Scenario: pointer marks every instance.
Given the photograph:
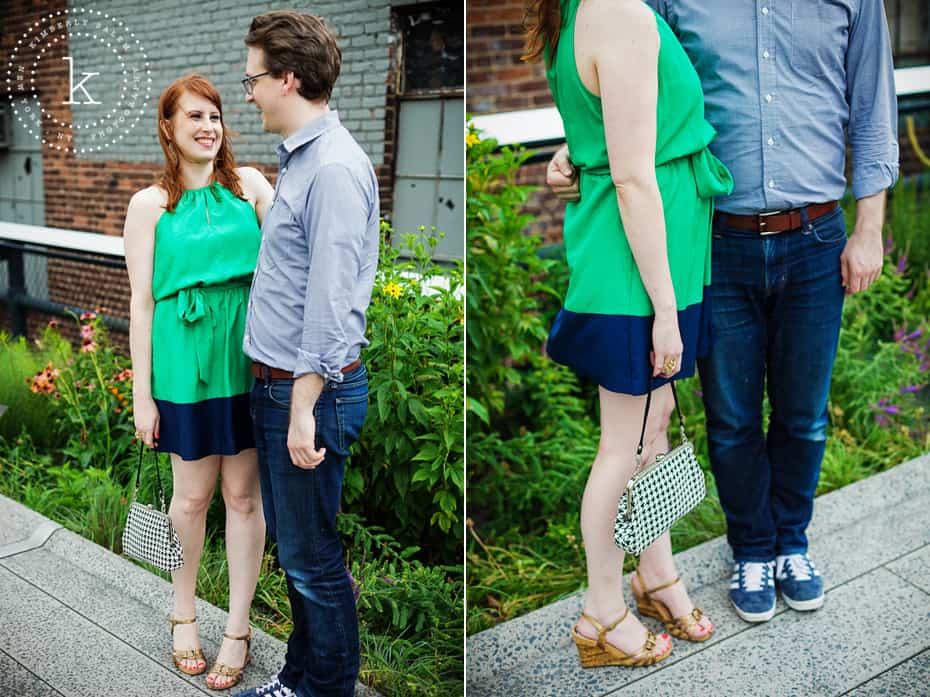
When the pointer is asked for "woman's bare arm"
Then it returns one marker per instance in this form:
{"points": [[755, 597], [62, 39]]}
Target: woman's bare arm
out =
{"points": [[145, 207], [617, 55]]}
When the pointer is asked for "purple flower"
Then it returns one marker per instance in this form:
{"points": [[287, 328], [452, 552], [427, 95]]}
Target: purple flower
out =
{"points": [[902, 264], [910, 389], [356, 586], [699, 393], [881, 420], [892, 409], [889, 244], [916, 334]]}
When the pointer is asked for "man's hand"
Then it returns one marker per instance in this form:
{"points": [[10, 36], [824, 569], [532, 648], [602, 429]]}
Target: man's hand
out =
{"points": [[862, 260], [301, 439], [301, 434], [561, 176]]}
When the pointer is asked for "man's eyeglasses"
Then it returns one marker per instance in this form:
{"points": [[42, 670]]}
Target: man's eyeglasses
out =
{"points": [[247, 82]]}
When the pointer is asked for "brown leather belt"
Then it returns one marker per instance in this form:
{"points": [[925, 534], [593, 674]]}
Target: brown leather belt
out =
{"points": [[775, 222], [260, 370]]}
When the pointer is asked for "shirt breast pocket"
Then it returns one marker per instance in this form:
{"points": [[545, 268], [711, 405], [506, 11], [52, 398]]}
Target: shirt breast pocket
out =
{"points": [[819, 33]]}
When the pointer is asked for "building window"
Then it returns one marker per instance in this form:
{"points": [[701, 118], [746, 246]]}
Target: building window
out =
{"points": [[909, 26], [429, 177]]}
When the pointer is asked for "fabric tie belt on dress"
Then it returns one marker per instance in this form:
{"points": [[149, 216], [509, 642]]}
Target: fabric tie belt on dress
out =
{"points": [[711, 177], [193, 308]]}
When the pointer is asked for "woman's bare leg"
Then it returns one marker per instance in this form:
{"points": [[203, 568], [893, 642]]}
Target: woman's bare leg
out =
{"points": [[245, 544], [194, 483], [657, 566], [621, 422]]}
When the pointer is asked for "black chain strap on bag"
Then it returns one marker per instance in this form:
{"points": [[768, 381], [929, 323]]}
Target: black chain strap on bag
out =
{"points": [[657, 496], [149, 535]]}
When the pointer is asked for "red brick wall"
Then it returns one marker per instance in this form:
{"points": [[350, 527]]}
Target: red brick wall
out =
{"points": [[496, 77]]}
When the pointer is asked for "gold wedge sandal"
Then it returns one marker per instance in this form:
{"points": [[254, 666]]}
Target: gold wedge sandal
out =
{"points": [[225, 671], [186, 654], [678, 627], [602, 653]]}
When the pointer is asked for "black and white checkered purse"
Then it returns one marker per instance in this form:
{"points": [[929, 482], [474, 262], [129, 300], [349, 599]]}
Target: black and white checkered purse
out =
{"points": [[660, 494], [149, 535]]}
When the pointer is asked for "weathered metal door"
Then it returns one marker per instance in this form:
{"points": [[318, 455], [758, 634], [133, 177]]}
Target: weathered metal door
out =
{"points": [[429, 179], [22, 194]]}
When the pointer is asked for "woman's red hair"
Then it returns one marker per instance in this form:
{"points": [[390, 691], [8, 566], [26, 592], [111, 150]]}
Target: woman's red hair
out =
{"points": [[543, 23], [224, 166]]}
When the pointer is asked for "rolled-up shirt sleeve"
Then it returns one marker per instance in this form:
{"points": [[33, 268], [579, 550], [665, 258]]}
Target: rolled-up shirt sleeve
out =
{"points": [[873, 104], [335, 222]]}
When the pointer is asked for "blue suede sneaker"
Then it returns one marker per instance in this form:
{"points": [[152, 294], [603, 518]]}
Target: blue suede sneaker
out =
{"points": [[272, 688], [752, 590], [799, 581]]}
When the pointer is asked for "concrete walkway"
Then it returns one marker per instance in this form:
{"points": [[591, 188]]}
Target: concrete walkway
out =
{"points": [[871, 542], [77, 620]]}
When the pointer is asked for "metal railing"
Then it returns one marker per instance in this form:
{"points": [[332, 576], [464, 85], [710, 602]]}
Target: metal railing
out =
{"points": [[24, 270]]}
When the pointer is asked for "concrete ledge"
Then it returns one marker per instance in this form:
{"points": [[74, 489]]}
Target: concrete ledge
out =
{"points": [[89, 622], [877, 528]]}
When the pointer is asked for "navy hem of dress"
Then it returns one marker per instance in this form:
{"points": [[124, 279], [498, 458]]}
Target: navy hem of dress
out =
{"points": [[219, 426], [613, 350]]}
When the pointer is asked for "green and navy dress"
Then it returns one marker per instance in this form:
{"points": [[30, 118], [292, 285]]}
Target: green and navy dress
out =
{"points": [[205, 255], [604, 330]]}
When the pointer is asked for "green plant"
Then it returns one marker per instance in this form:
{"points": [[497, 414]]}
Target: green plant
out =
{"points": [[411, 451], [25, 407], [90, 392]]}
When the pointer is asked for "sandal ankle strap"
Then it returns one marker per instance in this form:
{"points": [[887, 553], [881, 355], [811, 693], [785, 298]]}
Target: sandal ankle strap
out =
{"points": [[646, 592], [245, 637], [601, 629]]}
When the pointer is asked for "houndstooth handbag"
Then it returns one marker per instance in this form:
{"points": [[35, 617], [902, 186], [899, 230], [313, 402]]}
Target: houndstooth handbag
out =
{"points": [[659, 495], [149, 535]]}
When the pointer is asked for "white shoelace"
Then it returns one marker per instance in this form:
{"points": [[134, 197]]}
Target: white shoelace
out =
{"points": [[798, 566], [274, 688], [756, 575]]}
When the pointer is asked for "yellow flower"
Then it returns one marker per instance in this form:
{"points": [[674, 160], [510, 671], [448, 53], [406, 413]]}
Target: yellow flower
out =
{"points": [[472, 139], [393, 289]]}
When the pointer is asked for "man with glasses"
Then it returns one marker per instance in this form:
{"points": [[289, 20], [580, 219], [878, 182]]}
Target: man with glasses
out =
{"points": [[783, 81], [304, 333]]}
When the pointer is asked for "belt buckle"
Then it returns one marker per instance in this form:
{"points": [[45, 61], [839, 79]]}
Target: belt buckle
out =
{"points": [[762, 231]]}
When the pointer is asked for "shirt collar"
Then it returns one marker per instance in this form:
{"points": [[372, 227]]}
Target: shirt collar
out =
{"points": [[308, 132]]}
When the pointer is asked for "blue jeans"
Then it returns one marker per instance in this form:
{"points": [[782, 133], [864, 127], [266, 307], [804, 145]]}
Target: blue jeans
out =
{"points": [[300, 514], [776, 309]]}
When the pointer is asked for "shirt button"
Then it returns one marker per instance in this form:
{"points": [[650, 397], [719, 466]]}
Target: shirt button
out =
{"points": [[771, 141], [768, 98], [765, 10], [765, 54], [771, 183]]}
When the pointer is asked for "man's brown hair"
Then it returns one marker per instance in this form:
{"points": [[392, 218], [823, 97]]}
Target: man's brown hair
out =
{"points": [[301, 44]]}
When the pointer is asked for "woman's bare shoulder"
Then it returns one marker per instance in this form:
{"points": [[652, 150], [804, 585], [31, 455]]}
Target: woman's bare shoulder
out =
{"points": [[622, 19]]}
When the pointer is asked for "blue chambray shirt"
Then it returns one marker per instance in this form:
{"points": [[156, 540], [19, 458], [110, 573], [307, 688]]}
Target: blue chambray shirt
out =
{"points": [[782, 80], [318, 257]]}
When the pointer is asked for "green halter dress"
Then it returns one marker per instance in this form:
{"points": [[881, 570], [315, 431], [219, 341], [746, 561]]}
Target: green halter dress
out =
{"points": [[205, 254], [604, 330]]}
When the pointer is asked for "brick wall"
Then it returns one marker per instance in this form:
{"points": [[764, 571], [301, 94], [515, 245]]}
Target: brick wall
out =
{"points": [[496, 77]]}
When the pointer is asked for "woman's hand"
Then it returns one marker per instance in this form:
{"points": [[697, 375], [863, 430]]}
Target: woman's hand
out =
{"points": [[146, 417], [666, 345]]}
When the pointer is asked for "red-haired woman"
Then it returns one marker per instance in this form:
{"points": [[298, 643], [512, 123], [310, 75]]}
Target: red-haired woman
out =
{"points": [[192, 241], [638, 247]]}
